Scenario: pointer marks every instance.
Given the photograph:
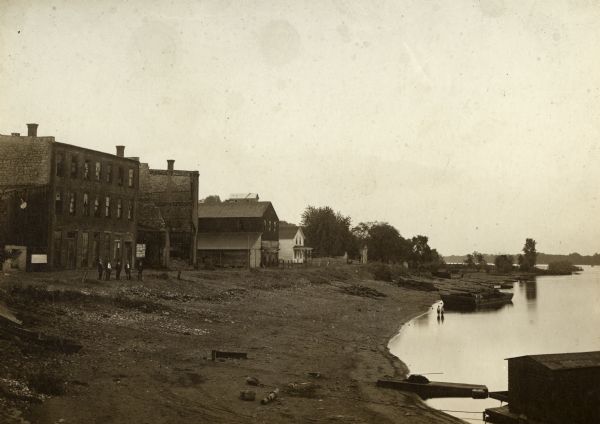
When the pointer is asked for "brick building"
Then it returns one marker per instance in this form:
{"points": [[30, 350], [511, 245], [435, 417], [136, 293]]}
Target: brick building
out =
{"points": [[67, 205], [238, 232], [168, 224]]}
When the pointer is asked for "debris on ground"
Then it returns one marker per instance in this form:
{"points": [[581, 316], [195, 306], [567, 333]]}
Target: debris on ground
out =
{"points": [[270, 397], [304, 389], [363, 291], [252, 381], [216, 354], [248, 395]]}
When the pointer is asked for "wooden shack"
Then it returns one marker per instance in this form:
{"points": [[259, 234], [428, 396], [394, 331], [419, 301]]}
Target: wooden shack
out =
{"points": [[555, 388]]}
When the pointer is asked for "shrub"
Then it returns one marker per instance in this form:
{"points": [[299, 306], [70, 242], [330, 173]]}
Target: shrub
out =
{"points": [[381, 272]]}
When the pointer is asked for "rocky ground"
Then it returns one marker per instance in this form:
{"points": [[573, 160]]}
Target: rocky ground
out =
{"points": [[318, 335]]}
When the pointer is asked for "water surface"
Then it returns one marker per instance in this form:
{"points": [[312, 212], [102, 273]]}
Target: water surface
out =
{"points": [[549, 315]]}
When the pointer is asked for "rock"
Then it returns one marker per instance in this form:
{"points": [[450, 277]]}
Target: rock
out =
{"points": [[252, 381], [248, 395]]}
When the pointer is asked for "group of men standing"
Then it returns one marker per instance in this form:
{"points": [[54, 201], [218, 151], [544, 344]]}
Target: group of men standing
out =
{"points": [[105, 268]]}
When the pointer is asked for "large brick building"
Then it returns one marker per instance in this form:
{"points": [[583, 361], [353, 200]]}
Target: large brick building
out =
{"points": [[67, 205], [168, 224]]}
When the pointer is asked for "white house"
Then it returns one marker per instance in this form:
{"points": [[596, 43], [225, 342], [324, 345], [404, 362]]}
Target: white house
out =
{"points": [[291, 244]]}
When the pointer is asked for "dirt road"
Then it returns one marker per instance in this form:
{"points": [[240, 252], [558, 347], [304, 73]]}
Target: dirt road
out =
{"points": [[318, 335]]}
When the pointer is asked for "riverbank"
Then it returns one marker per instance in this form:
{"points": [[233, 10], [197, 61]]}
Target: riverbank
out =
{"points": [[146, 348]]}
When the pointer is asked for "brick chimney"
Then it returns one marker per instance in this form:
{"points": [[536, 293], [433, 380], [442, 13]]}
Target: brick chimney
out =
{"points": [[32, 130], [170, 164], [121, 151]]}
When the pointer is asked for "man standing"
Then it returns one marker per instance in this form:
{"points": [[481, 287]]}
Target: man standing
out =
{"points": [[128, 270], [108, 270], [100, 269], [118, 268], [140, 269]]}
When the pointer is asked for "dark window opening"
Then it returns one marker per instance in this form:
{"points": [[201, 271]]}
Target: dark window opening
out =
{"points": [[59, 164], [121, 176], [86, 205], [72, 203], [58, 203], [74, 166], [86, 170], [109, 173]]}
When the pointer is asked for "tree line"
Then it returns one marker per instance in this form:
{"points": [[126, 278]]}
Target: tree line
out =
{"points": [[331, 234]]}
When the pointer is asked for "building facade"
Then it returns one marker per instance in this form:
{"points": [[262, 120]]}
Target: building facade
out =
{"points": [[67, 205], [174, 193], [292, 248], [249, 233], [555, 388]]}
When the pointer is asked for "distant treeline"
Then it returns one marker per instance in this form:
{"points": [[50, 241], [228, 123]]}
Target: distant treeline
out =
{"points": [[542, 258]]}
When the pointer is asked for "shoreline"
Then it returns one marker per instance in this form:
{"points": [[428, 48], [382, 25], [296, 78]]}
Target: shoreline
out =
{"points": [[146, 346]]}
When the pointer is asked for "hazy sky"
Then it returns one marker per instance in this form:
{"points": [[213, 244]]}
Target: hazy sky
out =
{"points": [[473, 122]]}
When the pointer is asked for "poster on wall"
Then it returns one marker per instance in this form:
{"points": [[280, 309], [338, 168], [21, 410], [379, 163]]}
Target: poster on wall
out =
{"points": [[140, 250], [39, 259]]}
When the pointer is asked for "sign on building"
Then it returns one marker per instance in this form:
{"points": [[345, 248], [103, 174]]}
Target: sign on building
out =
{"points": [[39, 259], [140, 250]]}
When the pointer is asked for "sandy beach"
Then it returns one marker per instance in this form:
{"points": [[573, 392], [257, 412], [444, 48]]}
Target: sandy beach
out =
{"points": [[318, 335]]}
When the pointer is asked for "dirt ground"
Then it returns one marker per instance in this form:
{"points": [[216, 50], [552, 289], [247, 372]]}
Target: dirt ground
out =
{"points": [[319, 335]]}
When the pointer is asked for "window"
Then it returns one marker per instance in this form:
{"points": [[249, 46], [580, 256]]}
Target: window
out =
{"points": [[109, 173], [86, 170], [74, 166], [130, 179], [86, 205], [97, 207], [107, 206], [98, 171], [117, 249], [59, 164], [107, 245], [119, 208], [58, 203], [120, 176], [130, 211], [72, 203]]}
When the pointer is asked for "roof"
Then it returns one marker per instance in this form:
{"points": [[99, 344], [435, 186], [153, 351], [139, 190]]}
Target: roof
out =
{"points": [[566, 361], [233, 209], [227, 241], [287, 231], [240, 196]]}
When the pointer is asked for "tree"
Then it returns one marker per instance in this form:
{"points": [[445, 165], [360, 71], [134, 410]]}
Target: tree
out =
{"points": [[383, 241], [469, 261], [213, 198], [504, 263], [327, 232], [480, 261], [528, 259]]}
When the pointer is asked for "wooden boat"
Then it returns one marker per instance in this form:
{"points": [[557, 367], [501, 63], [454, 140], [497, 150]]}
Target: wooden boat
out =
{"points": [[436, 389], [468, 301]]}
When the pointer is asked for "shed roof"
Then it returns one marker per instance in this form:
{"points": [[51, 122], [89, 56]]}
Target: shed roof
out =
{"points": [[233, 209], [227, 241], [566, 361]]}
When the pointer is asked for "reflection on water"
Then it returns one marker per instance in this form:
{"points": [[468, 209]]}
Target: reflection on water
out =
{"points": [[552, 314]]}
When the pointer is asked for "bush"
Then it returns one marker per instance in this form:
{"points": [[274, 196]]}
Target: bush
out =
{"points": [[381, 272], [46, 383]]}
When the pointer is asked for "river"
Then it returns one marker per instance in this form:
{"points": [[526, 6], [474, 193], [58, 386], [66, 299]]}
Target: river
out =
{"points": [[552, 314]]}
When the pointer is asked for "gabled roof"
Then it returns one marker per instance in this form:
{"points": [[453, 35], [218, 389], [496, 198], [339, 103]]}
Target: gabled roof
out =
{"points": [[227, 241], [566, 361], [233, 209], [287, 231]]}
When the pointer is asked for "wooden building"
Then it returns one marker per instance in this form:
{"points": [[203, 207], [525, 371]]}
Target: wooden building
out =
{"points": [[239, 232], [66, 205], [555, 388], [292, 248]]}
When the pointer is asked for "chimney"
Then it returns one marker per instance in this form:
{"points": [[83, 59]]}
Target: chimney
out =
{"points": [[32, 130], [170, 164], [121, 151], [15, 134]]}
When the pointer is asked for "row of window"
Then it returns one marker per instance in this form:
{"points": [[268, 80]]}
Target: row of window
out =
{"points": [[94, 170], [270, 225], [98, 206]]}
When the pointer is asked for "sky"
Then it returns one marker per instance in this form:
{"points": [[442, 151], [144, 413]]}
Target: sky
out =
{"points": [[474, 122]]}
